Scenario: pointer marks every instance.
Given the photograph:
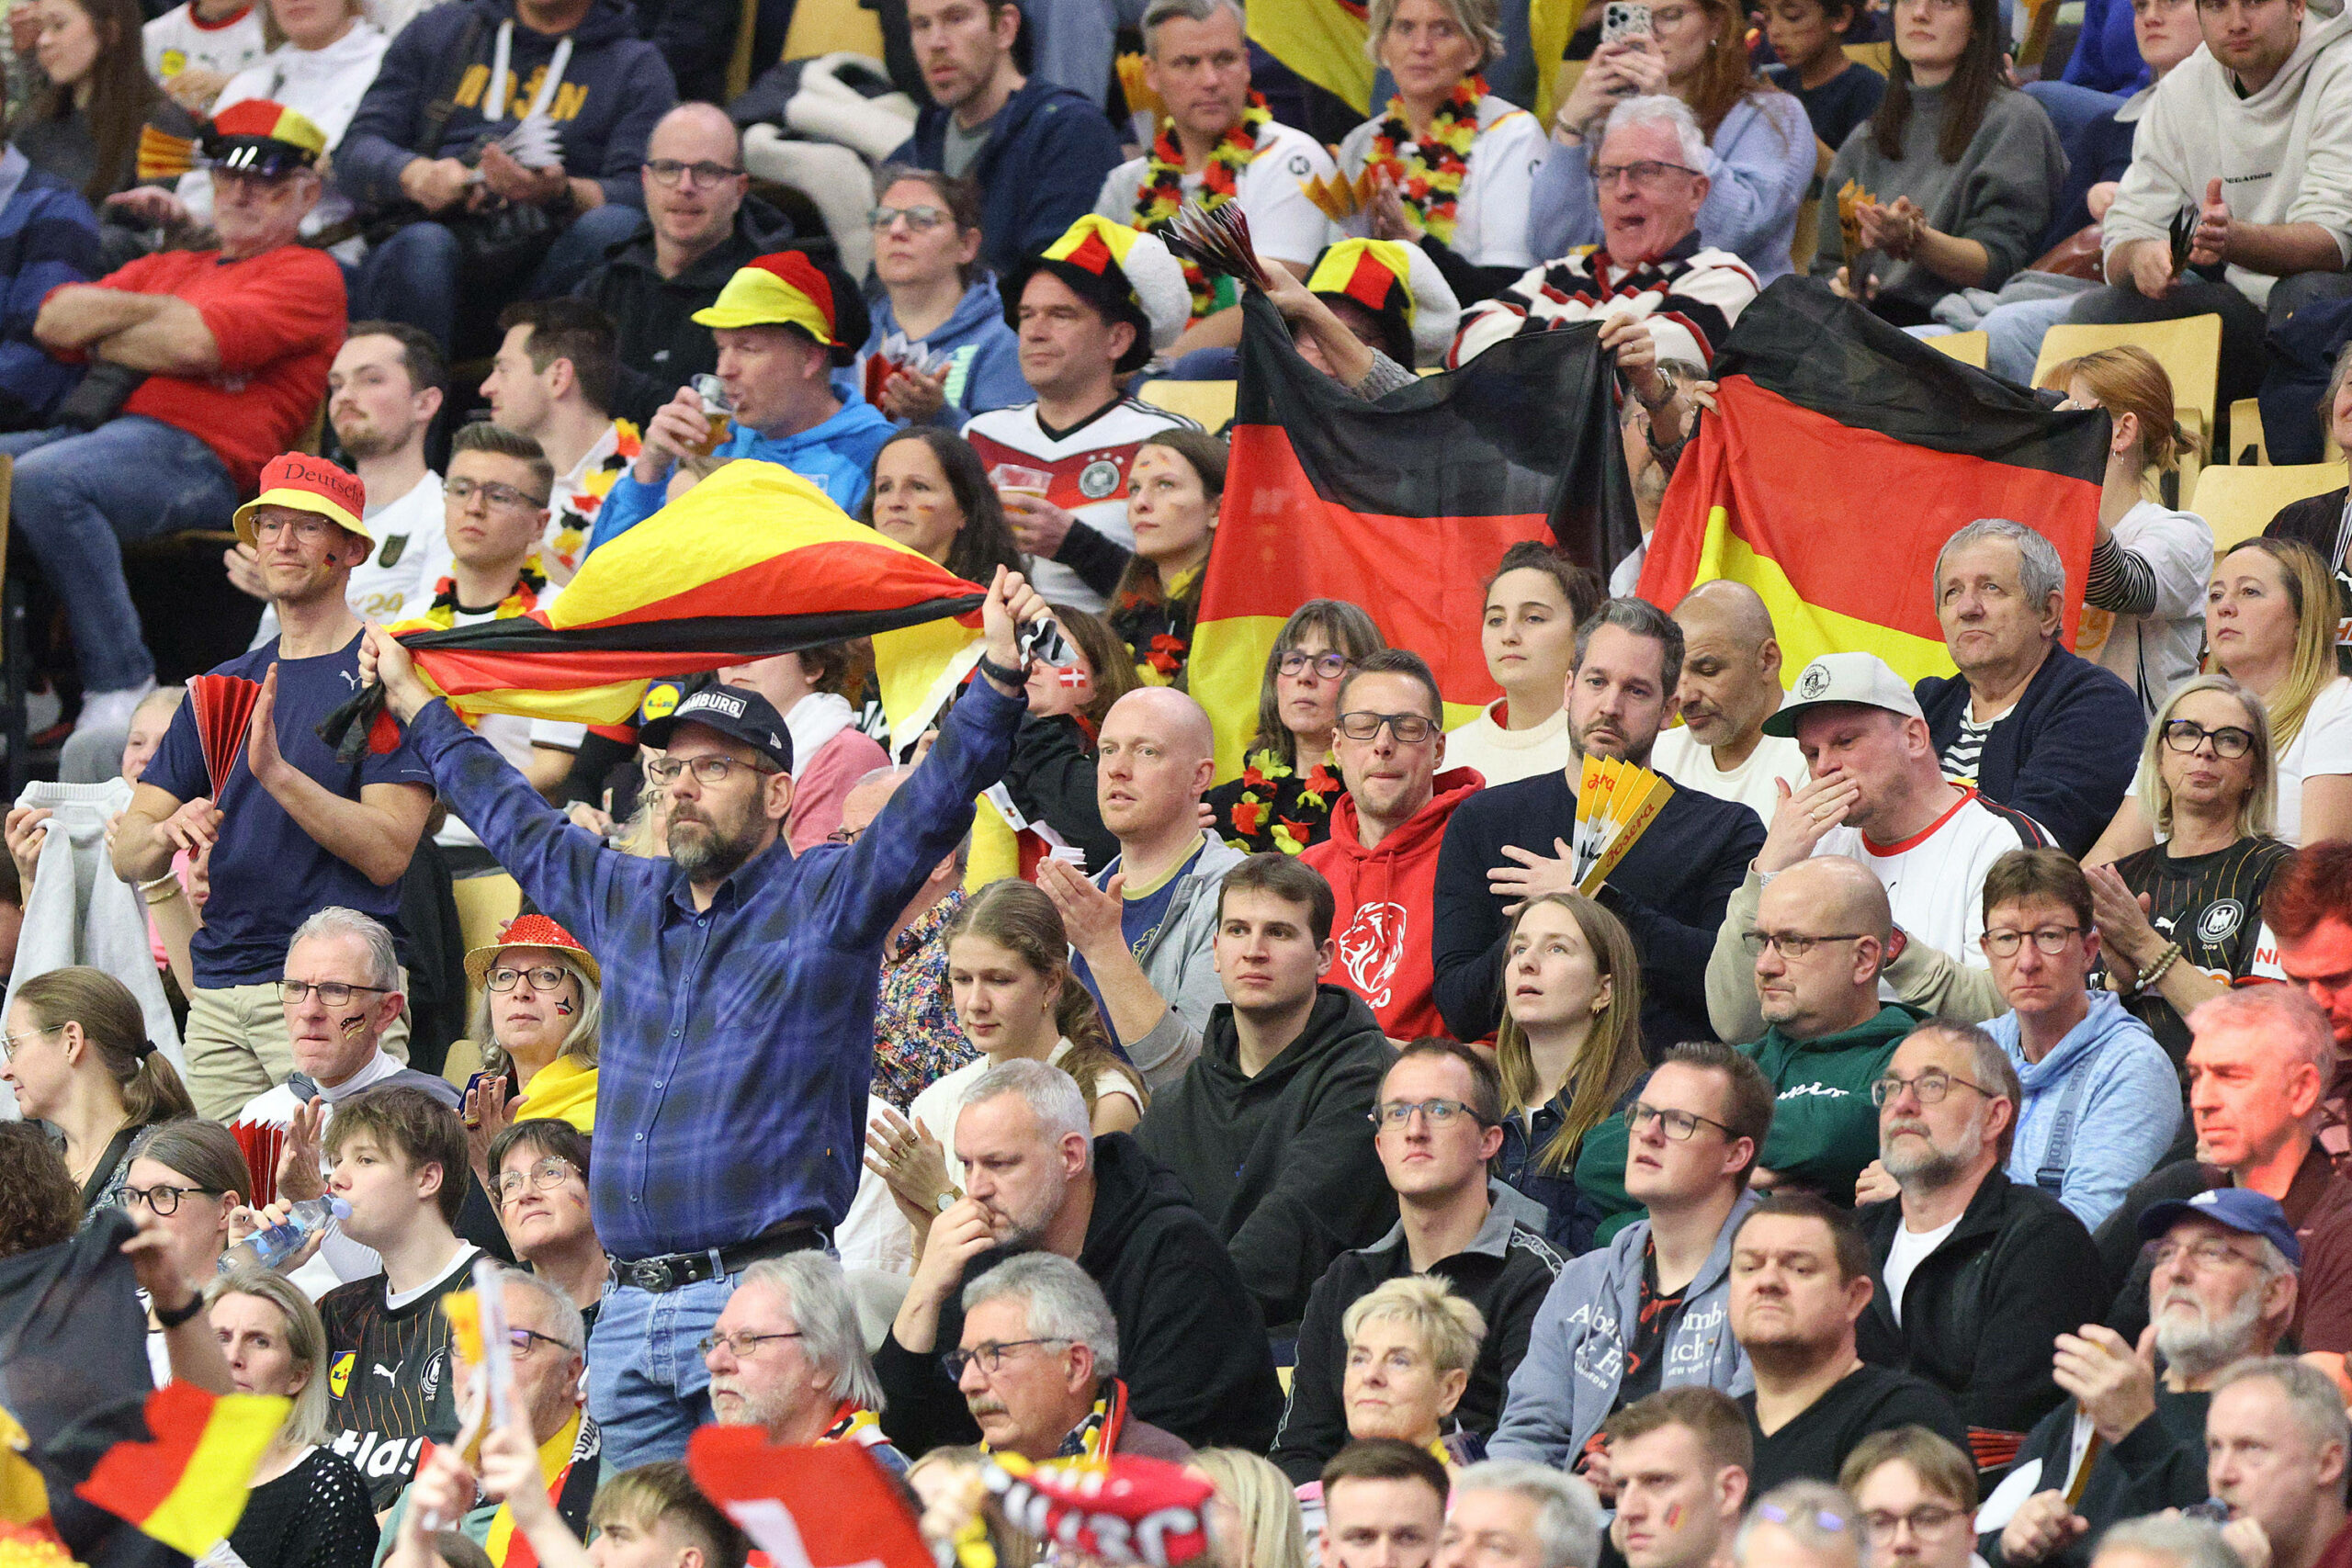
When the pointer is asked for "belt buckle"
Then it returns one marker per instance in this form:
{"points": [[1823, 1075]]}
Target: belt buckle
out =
{"points": [[656, 1275]]}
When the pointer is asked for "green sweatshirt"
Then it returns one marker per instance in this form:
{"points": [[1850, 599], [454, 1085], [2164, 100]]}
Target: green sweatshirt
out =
{"points": [[1825, 1129]]}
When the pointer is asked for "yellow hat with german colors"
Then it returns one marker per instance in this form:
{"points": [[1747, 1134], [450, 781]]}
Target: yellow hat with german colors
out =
{"points": [[787, 288], [1398, 284], [1127, 275], [310, 484]]}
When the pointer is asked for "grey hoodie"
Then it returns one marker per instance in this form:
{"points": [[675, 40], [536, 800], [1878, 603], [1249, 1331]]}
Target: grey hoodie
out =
{"points": [[1567, 1383], [1177, 962]]}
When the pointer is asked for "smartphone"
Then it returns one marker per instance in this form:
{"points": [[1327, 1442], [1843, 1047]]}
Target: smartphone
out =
{"points": [[1623, 19]]}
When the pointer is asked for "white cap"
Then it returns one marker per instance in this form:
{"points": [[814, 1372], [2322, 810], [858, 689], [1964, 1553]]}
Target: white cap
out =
{"points": [[1856, 678]]}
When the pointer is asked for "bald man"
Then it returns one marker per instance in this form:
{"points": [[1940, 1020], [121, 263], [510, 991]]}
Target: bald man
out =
{"points": [[1730, 686], [1820, 936], [1144, 928]]}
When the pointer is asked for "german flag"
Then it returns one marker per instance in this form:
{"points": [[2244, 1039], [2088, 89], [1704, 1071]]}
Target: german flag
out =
{"points": [[1844, 455], [186, 1486], [753, 562], [1323, 40], [1401, 507]]}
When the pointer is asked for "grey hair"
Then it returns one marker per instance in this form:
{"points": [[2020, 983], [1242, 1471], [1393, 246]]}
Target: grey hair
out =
{"points": [[896, 775], [2313, 1398], [1660, 108], [816, 1292], [2288, 1019], [1989, 1064], [383, 959], [2186, 1542], [1824, 1520], [1161, 11], [306, 1342], [570, 1326], [1051, 1095], [1482, 20], [2258, 810], [1064, 1302], [1567, 1513], [1643, 619], [2040, 571]]}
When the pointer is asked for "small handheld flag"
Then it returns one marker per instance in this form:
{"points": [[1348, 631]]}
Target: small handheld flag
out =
{"points": [[224, 710], [825, 1505], [1616, 803]]}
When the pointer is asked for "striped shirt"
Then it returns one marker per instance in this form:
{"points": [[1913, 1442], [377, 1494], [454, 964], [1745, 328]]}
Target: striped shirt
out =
{"points": [[1690, 298], [1961, 759]]}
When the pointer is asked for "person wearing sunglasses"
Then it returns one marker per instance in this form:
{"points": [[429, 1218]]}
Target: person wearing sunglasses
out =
{"points": [[542, 997], [936, 298], [1283, 797]]}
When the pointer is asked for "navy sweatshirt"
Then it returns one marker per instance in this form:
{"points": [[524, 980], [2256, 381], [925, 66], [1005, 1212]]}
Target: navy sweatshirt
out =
{"points": [[1046, 159], [2064, 755]]}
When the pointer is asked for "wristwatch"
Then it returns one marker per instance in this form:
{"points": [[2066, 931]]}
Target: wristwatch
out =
{"points": [[946, 1199]]}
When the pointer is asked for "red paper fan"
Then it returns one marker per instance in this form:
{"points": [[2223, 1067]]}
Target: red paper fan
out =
{"points": [[224, 709], [261, 1144]]}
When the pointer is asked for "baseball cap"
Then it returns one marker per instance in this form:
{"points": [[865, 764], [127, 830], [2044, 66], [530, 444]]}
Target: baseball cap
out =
{"points": [[1852, 678], [787, 288], [2240, 1209], [736, 712], [308, 484]]}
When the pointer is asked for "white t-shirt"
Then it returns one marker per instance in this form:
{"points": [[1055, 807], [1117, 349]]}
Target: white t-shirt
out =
{"points": [[874, 1234], [1935, 879], [1777, 758], [1909, 1250], [2155, 652], [1506, 756], [1089, 469], [1498, 189], [1283, 223], [2322, 747], [179, 40], [936, 1107], [411, 551]]}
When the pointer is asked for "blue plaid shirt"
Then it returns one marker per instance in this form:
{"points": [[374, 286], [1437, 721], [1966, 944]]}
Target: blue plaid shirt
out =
{"points": [[738, 1041]]}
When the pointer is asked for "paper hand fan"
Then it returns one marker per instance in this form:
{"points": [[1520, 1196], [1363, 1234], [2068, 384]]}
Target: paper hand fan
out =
{"points": [[261, 1143], [1339, 197], [224, 709], [2184, 237], [1219, 241], [1849, 226], [1616, 803], [534, 142]]}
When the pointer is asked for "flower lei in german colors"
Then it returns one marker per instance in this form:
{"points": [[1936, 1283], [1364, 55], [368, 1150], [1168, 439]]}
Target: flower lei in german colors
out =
{"points": [[443, 611], [1162, 192], [1429, 172], [1262, 776]]}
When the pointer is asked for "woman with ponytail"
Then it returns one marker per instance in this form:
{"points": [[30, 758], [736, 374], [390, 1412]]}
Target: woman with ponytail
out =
{"points": [[78, 1058], [1008, 973]]}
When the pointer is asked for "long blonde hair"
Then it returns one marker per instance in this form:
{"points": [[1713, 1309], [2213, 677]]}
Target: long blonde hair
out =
{"points": [[2310, 589], [1020, 919], [1611, 1059], [306, 1341], [1272, 1533]]}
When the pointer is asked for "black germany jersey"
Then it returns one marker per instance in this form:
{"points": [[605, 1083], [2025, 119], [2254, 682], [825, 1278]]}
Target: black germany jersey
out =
{"points": [[2211, 905], [388, 1376]]}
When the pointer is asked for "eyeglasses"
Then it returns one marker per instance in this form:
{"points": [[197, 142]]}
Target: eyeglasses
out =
{"points": [[1677, 1126], [308, 529], [8, 1041], [705, 175], [742, 1344], [332, 993], [2181, 735], [707, 770], [547, 1174], [165, 1202], [2051, 940], [491, 491], [1790, 945], [2207, 1254], [1647, 175], [1436, 1113], [990, 1356], [1927, 1518], [1930, 1087], [846, 835], [1329, 665], [521, 1339], [1410, 728], [921, 219], [547, 977]]}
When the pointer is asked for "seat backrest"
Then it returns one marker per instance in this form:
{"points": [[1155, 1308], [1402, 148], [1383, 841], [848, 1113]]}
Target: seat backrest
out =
{"points": [[1209, 404], [2188, 349], [1879, 57], [2238, 501], [824, 27], [1966, 347]]}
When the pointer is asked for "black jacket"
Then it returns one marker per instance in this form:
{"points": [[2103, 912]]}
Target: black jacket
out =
{"points": [[1671, 890], [660, 346], [2159, 1464], [2064, 755], [1193, 1350], [1980, 1313], [1283, 1164], [1505, 1272], [1051, 778]]}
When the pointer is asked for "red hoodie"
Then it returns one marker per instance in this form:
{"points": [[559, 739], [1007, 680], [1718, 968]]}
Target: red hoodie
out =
{"points": [[1384, 896]]}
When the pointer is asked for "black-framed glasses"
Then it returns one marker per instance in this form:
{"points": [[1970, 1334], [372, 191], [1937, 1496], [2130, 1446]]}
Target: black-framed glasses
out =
{"points": [[1678, 1125], [1790, 945], [164, 1202], [923, 219], [1647, 174], [2051, 940], [2186, 736], [990, 1355], [742, 1344], [1410, 728], [1930, 1087], [543, 978], [332, 993], [704, 174], [708, 770], [546, 1175], [520, 1340], [1330, 665], [846, 836], [462, 490], [1436, 1113]]}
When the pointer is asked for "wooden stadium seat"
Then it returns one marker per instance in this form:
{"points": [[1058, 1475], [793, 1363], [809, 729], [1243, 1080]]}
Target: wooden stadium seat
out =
{"points": [[824, 27], [2240, 499], [1879, 57], [2190, 350], [1966, 347], [484, 905], [1209, 404]]}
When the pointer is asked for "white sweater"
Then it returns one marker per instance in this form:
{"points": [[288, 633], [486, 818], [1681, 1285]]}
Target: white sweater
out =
{"points": [[2283, 155], [326, 85]]}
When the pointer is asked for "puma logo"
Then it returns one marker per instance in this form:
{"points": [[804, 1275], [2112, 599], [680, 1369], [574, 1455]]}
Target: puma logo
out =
{"points": [[386, 1373]]}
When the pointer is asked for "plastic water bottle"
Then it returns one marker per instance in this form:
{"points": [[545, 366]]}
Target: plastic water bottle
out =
{"points": [[271, 1248]]}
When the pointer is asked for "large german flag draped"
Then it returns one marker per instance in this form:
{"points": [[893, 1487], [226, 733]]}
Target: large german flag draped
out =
{"points": [[753, 562], [1845, 453], [1401, 507]]}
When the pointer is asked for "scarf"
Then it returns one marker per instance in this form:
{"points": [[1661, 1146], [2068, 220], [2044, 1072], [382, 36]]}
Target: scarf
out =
{"points": [[1162, 196], [576, 500], [1429, 172], [569, 1463], [815, 719], [522, 600], [1097, 1437], [853, 1423], [565, 1089]]}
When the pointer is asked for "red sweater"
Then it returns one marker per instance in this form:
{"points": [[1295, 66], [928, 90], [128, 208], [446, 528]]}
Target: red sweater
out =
{"points": [[1384, 896]]}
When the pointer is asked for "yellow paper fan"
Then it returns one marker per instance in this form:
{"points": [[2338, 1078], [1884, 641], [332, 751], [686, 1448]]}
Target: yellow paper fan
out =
{"points": [[1140, 98], [1616, 803], [163, 157], [1340, 197]]}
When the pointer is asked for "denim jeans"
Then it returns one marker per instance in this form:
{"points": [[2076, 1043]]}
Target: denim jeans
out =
{"points": [[647, 1386], [413, 276], [77, 497]]}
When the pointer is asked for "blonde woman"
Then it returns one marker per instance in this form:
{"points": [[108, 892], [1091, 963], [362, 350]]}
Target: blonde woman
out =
{"points": [[542, 998], [1253, 1520], [1569, 1052]]}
